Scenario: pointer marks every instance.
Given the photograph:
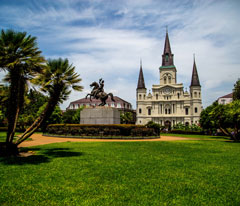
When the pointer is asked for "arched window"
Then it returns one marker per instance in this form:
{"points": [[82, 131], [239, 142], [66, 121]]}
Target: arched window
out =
{"points": [[165, 111], [199, 94], [169, 80], [140, 96], [178, 95], [186, 111], [149, 111], [169, 111], [156, 96], [195, 94], [196, 110], [140, 110], [144, 96], [165, 80]]}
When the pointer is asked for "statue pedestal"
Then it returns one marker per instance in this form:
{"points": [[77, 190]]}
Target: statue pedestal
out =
{"points": [[100, 115]]}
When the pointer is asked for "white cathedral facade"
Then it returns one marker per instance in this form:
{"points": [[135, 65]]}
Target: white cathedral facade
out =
{"points": [[169, 104]]}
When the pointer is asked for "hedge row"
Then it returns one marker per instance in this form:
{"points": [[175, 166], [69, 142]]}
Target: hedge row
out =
{"points": [[180, 131], [100, 130]]}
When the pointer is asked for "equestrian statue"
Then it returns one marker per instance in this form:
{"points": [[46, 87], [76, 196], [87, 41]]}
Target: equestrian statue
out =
{"points": [[98, 92]]}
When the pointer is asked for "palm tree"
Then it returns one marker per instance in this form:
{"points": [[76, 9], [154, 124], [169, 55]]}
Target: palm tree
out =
{"points": [[21, 58], [55, 80]]}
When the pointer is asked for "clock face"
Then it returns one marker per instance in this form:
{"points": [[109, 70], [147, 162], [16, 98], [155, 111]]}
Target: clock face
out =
{"points": [[167, 90]]}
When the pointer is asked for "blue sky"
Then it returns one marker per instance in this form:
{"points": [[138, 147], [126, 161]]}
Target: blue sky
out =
{"points": [[106, 39]]}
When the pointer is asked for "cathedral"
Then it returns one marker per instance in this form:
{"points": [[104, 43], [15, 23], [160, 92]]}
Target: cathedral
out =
{"points": [[169, 104]]}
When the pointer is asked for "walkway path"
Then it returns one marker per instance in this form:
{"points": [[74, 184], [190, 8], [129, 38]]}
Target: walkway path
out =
{"points": [[39, 139]]}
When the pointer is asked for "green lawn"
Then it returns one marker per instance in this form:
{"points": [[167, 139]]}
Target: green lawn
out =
{"points": [[204, 137], [3, 136], [124, 173]]}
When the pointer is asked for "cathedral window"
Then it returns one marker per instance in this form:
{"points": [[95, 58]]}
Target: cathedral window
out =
{"points": [[140, 96], [140, 110], [178, 95], [196, 110], [169, 111], [195, 94], [165, 80], [149, 111], [165, 111], [169, 80], [156, 96], [199, 94], [186, 111]]}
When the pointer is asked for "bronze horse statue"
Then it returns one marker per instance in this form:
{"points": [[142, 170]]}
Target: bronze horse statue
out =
{"points": [[98, 92]]}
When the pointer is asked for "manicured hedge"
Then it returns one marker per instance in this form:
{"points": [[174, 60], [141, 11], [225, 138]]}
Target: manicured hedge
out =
{"points": [[179, 131], [100, 130]]}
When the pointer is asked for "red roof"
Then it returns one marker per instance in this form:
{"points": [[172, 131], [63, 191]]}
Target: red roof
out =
{"points": [[227, 96]]}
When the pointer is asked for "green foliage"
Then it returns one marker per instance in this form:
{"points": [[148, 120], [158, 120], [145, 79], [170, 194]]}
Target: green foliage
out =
{"points": [[236, 90], [72, 116], [154, 126], [4, 93], [126, 118], [57, 80], [55, 118], [180, 128], [124, 173], [33, 103], [223, 117], [21, 58], [100, 130], [207, 123]]}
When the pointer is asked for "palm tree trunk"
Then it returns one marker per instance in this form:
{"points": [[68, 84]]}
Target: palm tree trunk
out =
{"points": [[13, 106], [53, 101]]}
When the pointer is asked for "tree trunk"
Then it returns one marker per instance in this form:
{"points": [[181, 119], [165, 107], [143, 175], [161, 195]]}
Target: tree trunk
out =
{"points": [[13, 105], [53, 101], [8, 149]]}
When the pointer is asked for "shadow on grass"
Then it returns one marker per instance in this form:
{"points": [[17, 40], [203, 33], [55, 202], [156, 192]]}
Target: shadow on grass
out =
{"points": [[45, 156]]}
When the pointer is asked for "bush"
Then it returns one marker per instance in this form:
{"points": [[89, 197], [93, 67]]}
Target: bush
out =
{"points": [[156, 127], [101, 130], [180, 131]]}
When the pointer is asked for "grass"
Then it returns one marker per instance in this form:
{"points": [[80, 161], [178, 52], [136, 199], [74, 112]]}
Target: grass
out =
{"points": [[124, 173], [3, 136], [204, 137]]}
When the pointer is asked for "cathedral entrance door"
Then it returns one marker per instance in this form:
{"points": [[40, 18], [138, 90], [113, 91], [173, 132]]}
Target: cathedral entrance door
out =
{"points": [[167, 125]]}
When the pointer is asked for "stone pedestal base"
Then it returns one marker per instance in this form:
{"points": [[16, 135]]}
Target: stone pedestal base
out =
{"points": [[100, 115]]}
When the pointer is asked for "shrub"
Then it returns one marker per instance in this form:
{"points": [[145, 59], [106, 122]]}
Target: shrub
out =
{"points": [[156, 127], [102, 130]]}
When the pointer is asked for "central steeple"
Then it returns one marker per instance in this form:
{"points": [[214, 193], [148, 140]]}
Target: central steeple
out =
{"points": [[167, 57]]}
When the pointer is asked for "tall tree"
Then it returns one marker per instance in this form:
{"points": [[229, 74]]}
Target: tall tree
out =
{"points": [[55, 80], [21, 58], [236, 90]]}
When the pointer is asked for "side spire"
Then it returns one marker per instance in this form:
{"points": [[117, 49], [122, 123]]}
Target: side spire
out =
{"points": [[195, 80], [141, 83], [167, 57]]}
